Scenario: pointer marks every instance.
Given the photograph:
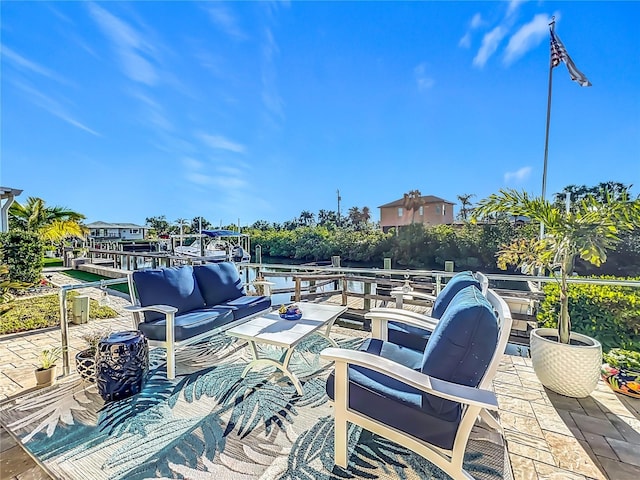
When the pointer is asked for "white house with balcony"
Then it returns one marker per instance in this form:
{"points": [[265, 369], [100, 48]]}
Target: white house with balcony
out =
{"points": [[103, 231]]}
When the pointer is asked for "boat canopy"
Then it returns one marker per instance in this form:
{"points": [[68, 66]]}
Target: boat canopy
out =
{"points": [[222, 233]]}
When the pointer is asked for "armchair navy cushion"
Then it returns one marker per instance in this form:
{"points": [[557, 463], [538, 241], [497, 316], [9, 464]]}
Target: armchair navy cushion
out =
{"points": [[219, 282], [457, 283], [461, 346], [174, 286], [416, 337]]}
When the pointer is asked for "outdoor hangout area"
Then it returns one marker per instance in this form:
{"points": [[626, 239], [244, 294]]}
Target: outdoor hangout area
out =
{"points": [[200, 376]]}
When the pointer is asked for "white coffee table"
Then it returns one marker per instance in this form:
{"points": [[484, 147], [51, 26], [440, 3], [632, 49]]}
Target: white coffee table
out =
{"points": [[272, 330]]}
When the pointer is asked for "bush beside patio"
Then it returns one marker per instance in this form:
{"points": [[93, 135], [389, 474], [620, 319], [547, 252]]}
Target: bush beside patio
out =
{"points": [[24, 314], [608, 313]]}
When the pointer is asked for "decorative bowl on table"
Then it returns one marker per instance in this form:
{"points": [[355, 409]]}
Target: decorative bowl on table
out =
{"points": [[290, 312]]}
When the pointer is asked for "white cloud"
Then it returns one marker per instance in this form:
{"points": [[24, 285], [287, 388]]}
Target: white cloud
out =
{"points": [[192, 163], [424, 81], [490, 43], [219, 142], [270, 95], [24, 64], [527, 37], [513, 6], [465, 41], [517, 176], [154, 112], [53, 107], [476, 21], [224, 19], [129, 44], [232, 180]]}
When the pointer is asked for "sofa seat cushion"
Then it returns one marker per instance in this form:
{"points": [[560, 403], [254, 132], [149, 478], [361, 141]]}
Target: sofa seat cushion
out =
{"points": [[415, 338], [175, 286], [461, 345], [218, 282], [245, 306], [395, 403], [458, 282], [187, 325]]}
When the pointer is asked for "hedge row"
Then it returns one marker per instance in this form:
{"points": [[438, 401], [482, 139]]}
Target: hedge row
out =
{"points": [[610, 314]]}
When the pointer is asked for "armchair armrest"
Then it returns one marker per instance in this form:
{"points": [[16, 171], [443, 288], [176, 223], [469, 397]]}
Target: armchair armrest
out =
{"points": [[265, 285], [441, 388], [380, 316], [400, 294]]}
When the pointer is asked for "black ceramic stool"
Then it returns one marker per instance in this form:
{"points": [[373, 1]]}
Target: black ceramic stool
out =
{"points": [[122, 363]]}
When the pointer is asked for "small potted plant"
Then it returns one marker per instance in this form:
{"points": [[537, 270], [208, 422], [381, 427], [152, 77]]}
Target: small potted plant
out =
{"points": [[86, 359], [621, 371], [46, 371]]}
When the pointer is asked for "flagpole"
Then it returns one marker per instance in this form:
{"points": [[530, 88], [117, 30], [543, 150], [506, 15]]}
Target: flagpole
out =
{"points": [[546, 135]]}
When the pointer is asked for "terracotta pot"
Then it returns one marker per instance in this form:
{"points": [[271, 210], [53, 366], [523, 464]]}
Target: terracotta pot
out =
{"points": [[45, 377]]}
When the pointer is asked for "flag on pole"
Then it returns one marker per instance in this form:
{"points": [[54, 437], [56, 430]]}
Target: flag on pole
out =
{"points": [[559, 53]]}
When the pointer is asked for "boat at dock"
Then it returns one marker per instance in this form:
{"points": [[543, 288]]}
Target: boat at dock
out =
{"points": [[213, 246]]}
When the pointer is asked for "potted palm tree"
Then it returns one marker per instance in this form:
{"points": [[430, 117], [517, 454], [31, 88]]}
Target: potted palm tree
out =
{"points": [[564, 361]]}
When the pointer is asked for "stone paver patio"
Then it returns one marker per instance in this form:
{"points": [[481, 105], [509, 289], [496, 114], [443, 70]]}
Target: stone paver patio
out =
{"points": [[548, 436]]}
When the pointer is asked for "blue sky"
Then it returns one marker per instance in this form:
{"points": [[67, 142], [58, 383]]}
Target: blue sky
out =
{"points": [[126, 110]]}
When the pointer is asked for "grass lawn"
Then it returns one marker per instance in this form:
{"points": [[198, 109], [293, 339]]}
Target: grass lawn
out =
{"points": [[92, 277], [52, 262], [24, 314]]}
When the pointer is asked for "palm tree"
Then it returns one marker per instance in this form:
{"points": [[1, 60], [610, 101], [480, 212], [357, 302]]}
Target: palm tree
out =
{"points": [[52, 224], [354, 217], [327, 218], [587, 230], [366, 215], [412, 201], [465, 205], [307, 218], [35, 215]]}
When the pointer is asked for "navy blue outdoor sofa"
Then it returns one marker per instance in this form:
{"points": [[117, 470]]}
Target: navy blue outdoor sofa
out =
{"points": [[181, 305]]}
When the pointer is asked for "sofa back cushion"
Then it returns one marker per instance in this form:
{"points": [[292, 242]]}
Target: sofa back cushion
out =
{"points": [[461, 346], [219, 282], [175, 286], [457, 283]]}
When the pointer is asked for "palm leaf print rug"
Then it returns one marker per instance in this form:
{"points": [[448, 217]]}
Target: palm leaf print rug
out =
{"points": [[209, 423]]}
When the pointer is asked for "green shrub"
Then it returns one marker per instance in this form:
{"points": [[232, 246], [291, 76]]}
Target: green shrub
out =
{"points": [[610, 314], [623, 359], [22, 252]]}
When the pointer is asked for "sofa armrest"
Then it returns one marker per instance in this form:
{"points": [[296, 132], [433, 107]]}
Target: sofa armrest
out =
{"points": [[164, 309]]}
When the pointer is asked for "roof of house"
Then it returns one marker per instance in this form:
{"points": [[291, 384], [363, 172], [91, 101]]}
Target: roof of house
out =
{"points": [[100, 224], [6, 192], [424, 199]]}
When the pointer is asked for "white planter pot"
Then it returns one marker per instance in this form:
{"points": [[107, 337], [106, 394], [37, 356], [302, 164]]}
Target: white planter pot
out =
{"points": [[570, 370]]}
